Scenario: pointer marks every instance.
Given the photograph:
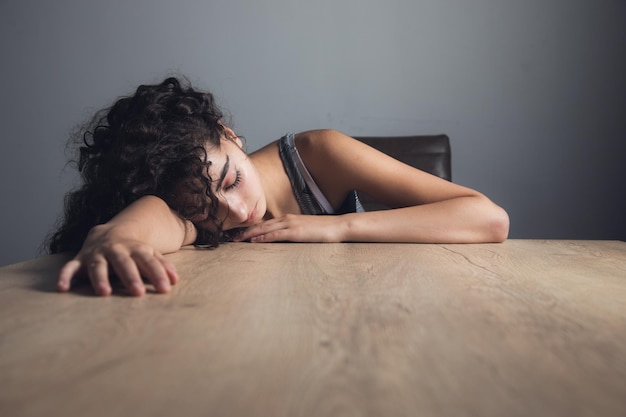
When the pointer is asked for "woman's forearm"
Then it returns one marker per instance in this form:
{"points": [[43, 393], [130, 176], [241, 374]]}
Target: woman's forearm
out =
{"points": [[150, 220], [471, 219]]}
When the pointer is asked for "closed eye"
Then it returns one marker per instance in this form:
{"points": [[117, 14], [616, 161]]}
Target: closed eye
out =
{"points": [[236, 182]]}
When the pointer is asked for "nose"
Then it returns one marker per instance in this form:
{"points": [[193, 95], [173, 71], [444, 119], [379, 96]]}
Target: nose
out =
{"points": [[234, 211]]}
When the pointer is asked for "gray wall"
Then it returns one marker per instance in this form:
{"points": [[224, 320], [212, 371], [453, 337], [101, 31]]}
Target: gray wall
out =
{"points": [[532, 93]]}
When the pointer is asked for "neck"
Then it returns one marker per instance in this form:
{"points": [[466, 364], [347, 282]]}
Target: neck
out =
{"points": [[279, 195]]}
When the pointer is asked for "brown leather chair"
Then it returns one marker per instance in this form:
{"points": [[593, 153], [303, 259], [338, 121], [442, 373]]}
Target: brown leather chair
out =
{"points": [[430, 153]]}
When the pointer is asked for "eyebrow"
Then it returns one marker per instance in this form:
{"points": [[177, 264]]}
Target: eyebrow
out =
{"points": [[223, 173]]}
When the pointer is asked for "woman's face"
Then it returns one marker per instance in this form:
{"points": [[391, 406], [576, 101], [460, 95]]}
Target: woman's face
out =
{"points": [[236, 184]]}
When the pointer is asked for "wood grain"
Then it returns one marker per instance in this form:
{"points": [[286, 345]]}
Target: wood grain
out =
{"points": [[515, 329]]}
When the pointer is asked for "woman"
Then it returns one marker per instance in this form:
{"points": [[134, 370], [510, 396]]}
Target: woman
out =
{"points": [[160, 171]]}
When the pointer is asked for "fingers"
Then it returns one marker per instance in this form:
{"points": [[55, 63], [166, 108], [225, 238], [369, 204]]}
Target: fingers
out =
{"points": [[98, 272], [275, 230], [170, 268], [127, 271], [296, 228], [146, 263], [129, 266], [153, 269], [255, 233], [67, 272]]}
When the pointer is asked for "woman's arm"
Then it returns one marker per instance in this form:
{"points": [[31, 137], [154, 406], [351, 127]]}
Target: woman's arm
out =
{"points": [[131, 245], [429, 209]]}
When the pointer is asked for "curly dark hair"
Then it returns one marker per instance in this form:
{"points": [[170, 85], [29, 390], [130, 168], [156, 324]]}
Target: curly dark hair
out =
{"points": [[150, 143]]}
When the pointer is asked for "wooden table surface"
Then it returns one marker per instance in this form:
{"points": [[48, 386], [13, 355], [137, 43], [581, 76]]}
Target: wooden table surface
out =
{"points": [[523, 328]]}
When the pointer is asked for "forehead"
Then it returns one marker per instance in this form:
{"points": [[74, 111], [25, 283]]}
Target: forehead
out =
{"points": [[220, 156], [216, 153]]}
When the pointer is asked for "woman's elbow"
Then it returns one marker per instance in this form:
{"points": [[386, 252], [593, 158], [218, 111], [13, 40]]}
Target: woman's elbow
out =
{"points": [[497, 225]]}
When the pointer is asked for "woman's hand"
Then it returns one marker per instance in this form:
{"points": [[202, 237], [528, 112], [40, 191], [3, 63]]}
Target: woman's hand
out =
{"points": [[296, 228], [104, 252]]}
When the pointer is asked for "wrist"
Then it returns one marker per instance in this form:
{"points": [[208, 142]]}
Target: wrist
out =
{"points": [[346, 228]]}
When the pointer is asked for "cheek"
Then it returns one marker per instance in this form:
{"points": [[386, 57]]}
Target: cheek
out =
{"points": [[254, 183], [253, 191]]}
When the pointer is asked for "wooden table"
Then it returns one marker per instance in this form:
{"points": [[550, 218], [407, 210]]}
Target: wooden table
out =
{"points": [[523, 328]]}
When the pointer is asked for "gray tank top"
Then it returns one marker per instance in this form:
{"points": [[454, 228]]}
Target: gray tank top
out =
{"points": [[310, 198]]}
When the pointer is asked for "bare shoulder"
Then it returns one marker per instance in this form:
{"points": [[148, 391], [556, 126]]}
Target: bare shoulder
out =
{"points": [[330, 156], [316, 147], [335, 153], [340, 163], [324, 142]]}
